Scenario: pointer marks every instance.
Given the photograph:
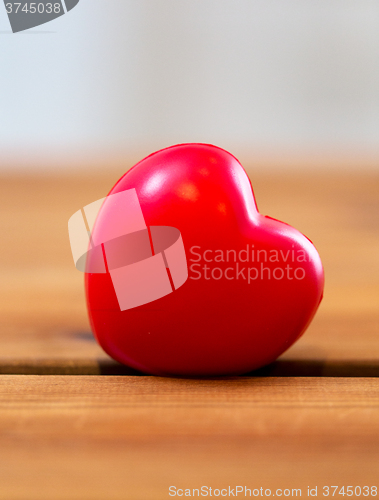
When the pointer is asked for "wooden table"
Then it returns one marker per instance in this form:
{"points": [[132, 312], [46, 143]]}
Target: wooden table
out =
{"points": [[76, 425]]}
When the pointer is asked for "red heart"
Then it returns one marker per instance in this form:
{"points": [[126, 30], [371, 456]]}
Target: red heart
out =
{"points": [[261, 286]]}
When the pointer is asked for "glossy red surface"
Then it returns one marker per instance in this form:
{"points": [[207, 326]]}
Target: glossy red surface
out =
{"points": [[213, 324]]}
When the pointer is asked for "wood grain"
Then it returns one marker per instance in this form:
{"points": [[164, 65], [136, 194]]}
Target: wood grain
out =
{"points": [[310, 419], [133, 437]]}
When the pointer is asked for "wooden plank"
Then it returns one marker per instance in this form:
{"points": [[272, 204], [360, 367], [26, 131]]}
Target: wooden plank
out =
{"points": [[334, 347], [133, 437], [43, 322]]}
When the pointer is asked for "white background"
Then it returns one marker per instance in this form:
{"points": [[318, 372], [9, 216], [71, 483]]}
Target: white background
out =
{"points": [[264, 77]]}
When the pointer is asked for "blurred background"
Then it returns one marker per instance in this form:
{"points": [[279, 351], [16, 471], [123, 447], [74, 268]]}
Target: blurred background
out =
{"points": [[291, 88], [281, 84]]}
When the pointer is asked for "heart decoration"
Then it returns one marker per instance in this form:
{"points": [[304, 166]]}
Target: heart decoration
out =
{"points": [[253, 284]]}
